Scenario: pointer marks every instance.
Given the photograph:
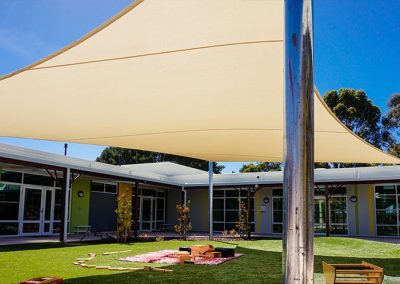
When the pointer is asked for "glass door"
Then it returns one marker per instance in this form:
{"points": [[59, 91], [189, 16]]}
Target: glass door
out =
{"points": [[38, 205], [146, 218], [32, 216]]}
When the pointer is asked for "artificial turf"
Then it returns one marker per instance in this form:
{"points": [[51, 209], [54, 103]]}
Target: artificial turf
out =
{"points": [[260, 264]]}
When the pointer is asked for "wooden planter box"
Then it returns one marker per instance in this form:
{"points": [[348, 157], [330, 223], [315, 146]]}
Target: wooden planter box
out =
{"points": [[364, 273]]}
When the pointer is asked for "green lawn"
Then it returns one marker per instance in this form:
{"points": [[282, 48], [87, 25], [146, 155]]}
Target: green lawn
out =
{"points": [[260, 264]]}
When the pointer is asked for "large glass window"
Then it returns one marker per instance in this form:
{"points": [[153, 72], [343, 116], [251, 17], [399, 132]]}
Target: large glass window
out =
{"points": [[387, 205], [158, 206], [337, 211], [9, 202], [12, 190], [226, 208]]}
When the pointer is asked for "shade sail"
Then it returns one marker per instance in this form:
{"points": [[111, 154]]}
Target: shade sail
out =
{"points": [[195, 78]]}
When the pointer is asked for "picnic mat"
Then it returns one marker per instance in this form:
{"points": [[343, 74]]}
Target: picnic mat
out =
{"points": [[166, 256]]}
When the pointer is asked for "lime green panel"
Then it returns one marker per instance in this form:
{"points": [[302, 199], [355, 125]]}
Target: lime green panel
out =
{"points": [[80, 205]]}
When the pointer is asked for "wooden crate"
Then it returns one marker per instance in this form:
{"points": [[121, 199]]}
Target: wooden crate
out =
{"points": [[352, 273], [213, 254], [202, 249]]}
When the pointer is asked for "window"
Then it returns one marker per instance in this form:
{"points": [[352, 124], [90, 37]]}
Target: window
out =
{"points": [[387, 206], [11, 177], [158, 206], [104, 187], [8, 228], [277, 211], [337, 211], [38, 180], [9, 202], [110, 188], [226, 208]]}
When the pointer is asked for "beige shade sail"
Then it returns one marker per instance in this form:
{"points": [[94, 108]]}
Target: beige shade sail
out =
{"points": [[195, 78]]}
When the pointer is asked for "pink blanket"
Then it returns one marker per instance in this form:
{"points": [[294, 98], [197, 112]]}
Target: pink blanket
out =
{"points": [[165, 256]]}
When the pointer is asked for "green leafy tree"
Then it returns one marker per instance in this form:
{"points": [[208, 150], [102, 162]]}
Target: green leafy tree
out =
{"points": [[184, 224], [261, 167], [392, 122], [122, 156], [360, 115], [392, 118], [357, 112], [395, 150]]}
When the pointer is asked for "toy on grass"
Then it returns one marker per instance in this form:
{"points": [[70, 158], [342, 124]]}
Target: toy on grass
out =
{"points": [[207, 251], [182, 256], [115, 252], [82, 262]]}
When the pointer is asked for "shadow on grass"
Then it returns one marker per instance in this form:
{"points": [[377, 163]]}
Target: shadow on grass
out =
{"points": [[42, 246], [255, 266]]}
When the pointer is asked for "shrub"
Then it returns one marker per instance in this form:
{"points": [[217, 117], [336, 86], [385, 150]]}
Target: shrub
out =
{"points": [[124, 214], [184, 224], [243, 224]]}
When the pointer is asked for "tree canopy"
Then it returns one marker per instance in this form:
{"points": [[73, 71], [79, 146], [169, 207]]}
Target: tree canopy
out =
{"points": [[360, 115], [121, 156], [260, 167], [392, 118], [392, 121]]}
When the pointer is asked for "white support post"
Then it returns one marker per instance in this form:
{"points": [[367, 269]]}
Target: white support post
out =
{"points": [[210, 198], [184, 195], [298, 229], [66, 204]]}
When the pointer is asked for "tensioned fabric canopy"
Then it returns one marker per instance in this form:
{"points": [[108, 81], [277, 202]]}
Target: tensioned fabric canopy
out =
{"points": [[203, 79]]}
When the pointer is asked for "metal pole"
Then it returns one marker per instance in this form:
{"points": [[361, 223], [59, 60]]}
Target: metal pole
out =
{"points": [[66, 204], [298, 233], [327, 213], [248, 212], [65, 149], [210, 198], [136, 212]]}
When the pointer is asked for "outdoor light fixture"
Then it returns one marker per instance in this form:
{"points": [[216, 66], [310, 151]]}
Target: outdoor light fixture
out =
{"points": [[266, 200], [81, 193], [353, 199]]}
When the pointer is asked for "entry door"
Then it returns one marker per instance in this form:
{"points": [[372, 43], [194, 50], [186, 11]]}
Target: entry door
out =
{"points": [[37, 211], [146, 214]]}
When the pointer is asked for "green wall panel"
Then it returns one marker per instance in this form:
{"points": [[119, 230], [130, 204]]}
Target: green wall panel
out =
{"points": [[80, 205]]}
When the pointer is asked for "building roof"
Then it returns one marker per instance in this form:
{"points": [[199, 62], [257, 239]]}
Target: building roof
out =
{"points": [[322, 176], [179, 175]]}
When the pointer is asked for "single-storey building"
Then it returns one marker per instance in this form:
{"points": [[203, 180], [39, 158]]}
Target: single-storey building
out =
{"points": [[363, 201]]}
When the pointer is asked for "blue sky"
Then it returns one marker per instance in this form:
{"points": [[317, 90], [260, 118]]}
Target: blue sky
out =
{"points": [[356, 44]]}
